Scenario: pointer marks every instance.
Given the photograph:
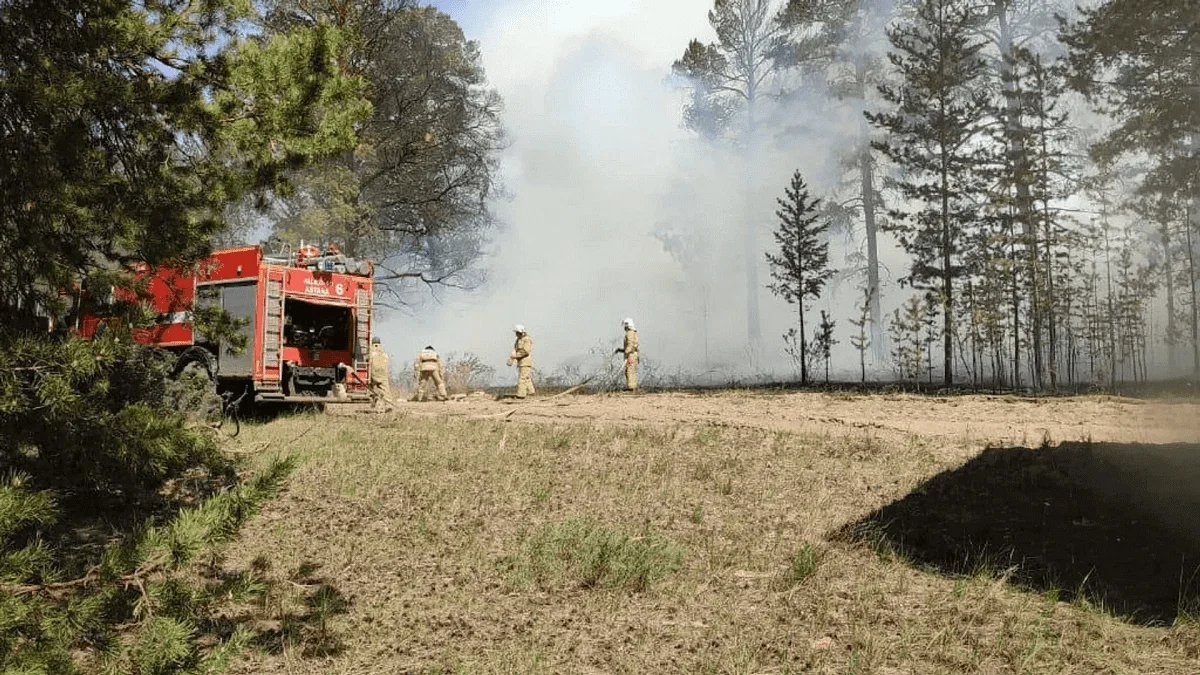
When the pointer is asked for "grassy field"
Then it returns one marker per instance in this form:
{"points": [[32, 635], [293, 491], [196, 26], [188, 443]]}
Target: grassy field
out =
{"points": [[555, 540]]}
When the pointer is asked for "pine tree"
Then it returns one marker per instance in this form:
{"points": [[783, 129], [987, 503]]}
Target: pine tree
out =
{"points": [[801, 268], [939, 109], [824, 341], [1139, 61], [862, 339], [1191, 238], [136, 127], [900, 348]]}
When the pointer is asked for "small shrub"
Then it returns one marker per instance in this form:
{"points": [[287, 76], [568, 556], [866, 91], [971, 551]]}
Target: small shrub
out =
{"points": [[592, 555], [467, 373]]}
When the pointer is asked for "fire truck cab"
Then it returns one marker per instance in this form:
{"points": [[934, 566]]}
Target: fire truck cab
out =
{"points": [[306, 317]]}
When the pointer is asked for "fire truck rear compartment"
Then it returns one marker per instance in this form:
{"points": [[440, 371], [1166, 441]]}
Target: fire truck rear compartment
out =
{"points": [[315, 328]]}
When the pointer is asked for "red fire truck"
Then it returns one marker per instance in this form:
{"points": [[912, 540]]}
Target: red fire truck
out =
{"points": [[306, 317]]}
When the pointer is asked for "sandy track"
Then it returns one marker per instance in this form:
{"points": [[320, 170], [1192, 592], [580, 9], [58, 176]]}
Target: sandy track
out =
{"points": [[971, 420]]}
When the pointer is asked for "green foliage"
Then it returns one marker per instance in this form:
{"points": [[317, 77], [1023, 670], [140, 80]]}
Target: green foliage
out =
{"points": [[89, 442], [728, 76], [801, 268], [939, 107], [136, 124], [135, 610], [1139, 60], [823, 341], [413, 194], [593, 555], [91, 417], [861, 340]]}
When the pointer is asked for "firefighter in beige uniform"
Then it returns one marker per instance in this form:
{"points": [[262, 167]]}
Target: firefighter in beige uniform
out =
{"points": [[630, 350], [522, 355], [380, 385], [429, 369]]}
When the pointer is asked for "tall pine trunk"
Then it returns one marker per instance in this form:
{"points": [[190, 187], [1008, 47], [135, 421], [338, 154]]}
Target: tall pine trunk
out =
{"points": [[1015, 134], [1169, 271], [1192, 215], [1112, 317], [947, 280], [750, 236], [1048, 240], [803, 342], [866, 172], [1015, 293]]}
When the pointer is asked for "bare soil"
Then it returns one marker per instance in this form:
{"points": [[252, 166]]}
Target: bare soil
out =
{"points": [[816, 533]]}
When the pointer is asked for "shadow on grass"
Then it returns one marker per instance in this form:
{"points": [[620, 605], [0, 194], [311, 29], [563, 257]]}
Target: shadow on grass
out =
{"points": [[308, 630], [1117, 525]]}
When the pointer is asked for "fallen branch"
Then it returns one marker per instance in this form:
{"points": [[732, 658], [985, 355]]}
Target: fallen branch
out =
{"points": [[506, 414], [560, 394]]}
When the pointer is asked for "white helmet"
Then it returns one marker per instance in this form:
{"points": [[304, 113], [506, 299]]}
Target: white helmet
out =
{"points": [[628, 323], [518, 329]]}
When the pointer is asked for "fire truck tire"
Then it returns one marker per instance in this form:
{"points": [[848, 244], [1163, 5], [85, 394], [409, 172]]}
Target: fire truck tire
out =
{"points": [[191, 359]]}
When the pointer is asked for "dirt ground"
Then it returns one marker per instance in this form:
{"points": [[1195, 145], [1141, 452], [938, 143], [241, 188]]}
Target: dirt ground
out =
{"points": [[977, 420], [733, 532]]}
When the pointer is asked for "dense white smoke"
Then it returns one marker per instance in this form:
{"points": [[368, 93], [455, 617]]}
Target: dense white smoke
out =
{"points": [[598, 165]]}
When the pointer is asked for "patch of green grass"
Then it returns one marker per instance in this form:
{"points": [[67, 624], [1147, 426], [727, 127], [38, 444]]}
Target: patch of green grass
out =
{"points": [[802, 566], [584, 552]]}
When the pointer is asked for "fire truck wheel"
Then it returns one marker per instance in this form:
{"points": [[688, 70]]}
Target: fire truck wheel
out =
{"points": [[194, 390], [193, 359]]}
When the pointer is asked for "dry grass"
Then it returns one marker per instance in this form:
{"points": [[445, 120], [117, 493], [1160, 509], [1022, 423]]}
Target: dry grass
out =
{"points": [[452, 545]]}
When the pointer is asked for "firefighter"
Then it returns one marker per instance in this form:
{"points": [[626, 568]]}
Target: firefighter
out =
{"points": [[380, 385], [630, 350], [428, 368], [522, 355]]}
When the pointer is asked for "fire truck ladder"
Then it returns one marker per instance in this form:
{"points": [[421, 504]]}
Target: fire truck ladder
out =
{"points": [[273, 326], [363, 330]]}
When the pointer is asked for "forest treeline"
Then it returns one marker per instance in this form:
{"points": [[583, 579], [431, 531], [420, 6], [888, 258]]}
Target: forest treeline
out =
{"points": [[1038, 163]]}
